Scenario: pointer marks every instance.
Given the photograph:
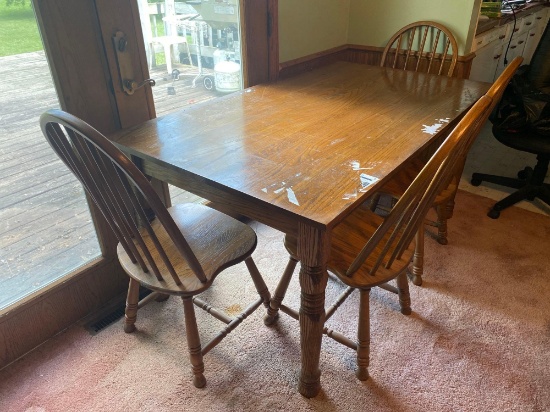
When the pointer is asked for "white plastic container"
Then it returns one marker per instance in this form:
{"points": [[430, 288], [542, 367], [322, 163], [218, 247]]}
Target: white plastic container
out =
{"points": [[227, 76]]}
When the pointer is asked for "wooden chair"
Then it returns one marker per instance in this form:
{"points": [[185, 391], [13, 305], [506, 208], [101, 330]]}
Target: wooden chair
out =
{"points": [[174, 251], [423, 46], [369, 250], [444, 201], [168, 44]]}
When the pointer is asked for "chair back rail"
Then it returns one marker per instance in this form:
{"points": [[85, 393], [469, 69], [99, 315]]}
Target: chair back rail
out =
{"points": [[407, 215], [121, 192], [497, 89], [431, 37], [495, 93]]}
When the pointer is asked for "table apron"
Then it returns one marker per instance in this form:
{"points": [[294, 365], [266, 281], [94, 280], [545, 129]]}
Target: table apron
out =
{"points": [[265, 213]]}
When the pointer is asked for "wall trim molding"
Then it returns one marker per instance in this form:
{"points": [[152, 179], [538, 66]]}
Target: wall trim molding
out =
{"points": [[355, 53], [310, 62]]}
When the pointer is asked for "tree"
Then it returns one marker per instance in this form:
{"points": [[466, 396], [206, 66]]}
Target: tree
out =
{"points": [[15, 2]]}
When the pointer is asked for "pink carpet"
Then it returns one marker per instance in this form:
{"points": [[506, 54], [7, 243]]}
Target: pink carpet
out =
{"points": [[478, 340]]}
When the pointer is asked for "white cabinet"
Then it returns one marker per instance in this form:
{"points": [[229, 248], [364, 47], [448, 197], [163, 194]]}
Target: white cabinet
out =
{"points": [[530, 45], [509, 53], [486, 62], [493, 48], [496, 34], [535, 34]]}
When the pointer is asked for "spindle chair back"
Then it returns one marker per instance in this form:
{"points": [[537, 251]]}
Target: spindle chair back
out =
{"points": [[173, 251], [369, 250], [424, 46]]}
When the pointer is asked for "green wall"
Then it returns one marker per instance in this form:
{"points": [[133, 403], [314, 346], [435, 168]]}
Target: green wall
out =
{"points": [[310, 26], [372, 22]]}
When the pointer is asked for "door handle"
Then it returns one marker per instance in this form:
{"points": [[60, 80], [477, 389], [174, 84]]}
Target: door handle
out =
{"points": [[130, 86], [124, 64]]}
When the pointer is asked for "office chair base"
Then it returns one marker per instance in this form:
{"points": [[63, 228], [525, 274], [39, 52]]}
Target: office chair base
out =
{"points": [[530, 185], [477, 178], [528, 192], [493, 214]]}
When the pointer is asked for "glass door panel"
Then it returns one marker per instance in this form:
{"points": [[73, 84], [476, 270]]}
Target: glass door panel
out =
{"points": [[193, 50], [194, 55], [45, 226]]}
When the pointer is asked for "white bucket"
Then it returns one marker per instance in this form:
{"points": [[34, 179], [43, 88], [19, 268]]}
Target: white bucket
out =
{"points": [[227, 76]]}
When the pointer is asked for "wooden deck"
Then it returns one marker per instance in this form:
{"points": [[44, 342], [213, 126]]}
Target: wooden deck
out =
{"points": [[45, 226]]}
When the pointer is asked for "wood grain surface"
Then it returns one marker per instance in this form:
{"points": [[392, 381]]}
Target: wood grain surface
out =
{"points": [[298, 147]]}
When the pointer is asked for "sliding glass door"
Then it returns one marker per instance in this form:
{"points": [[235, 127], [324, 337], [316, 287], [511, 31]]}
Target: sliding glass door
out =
{"points": [[78, 38], [46, 230], [193, 52]]}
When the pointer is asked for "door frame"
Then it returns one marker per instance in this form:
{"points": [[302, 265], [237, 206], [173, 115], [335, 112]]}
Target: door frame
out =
{"points": [[77, 42]]}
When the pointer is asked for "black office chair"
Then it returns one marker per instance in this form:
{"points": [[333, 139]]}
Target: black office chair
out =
{"points": [[530, 181]]}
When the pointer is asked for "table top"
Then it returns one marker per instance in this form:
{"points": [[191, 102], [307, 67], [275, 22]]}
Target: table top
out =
{"points": [[310, 147]]}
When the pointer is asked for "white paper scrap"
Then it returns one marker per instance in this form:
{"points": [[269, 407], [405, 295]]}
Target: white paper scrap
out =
{"points": [[292, 196], [367, 180]]}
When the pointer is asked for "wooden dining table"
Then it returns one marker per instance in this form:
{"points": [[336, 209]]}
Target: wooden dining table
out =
{"points": [[300, 154]]}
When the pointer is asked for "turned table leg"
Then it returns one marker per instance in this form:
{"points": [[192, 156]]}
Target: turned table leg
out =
{"points": [[313, 254]]}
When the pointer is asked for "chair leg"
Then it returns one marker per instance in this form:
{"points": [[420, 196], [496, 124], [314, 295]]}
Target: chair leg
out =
{"points": [[188, 54], [363, 336], [168, 57], [193, 342], [418, 259], [280, 292], [132, 300], [544, 194], [530, 185], [259, 283], [403, 292], [450, 207], [442, 216], [511, 182], [152, 61]]}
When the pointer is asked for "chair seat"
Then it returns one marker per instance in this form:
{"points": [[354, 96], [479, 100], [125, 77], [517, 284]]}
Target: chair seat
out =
{"points": [[217, 240], [348, 237], [526, 141]]}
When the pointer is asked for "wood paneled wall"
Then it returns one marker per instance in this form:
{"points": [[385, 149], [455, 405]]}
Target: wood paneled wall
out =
{"points": [[312, 61], [356, 54]]}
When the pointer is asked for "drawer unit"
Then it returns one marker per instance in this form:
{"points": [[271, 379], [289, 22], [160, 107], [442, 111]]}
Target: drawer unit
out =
{"points": [[516, 49], [486, 62], [482, 40], [493, 47], [527, 23]]}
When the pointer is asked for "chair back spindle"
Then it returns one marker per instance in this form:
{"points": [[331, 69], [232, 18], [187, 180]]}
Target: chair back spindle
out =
{"points": [[121, 192], [431, 44]]}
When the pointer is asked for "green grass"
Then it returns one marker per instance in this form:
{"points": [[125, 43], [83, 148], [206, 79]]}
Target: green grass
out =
{"points": [[18, 30]]}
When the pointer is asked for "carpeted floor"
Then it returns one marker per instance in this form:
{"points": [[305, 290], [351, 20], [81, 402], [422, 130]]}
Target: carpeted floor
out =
{"points": [[478, 339]]}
